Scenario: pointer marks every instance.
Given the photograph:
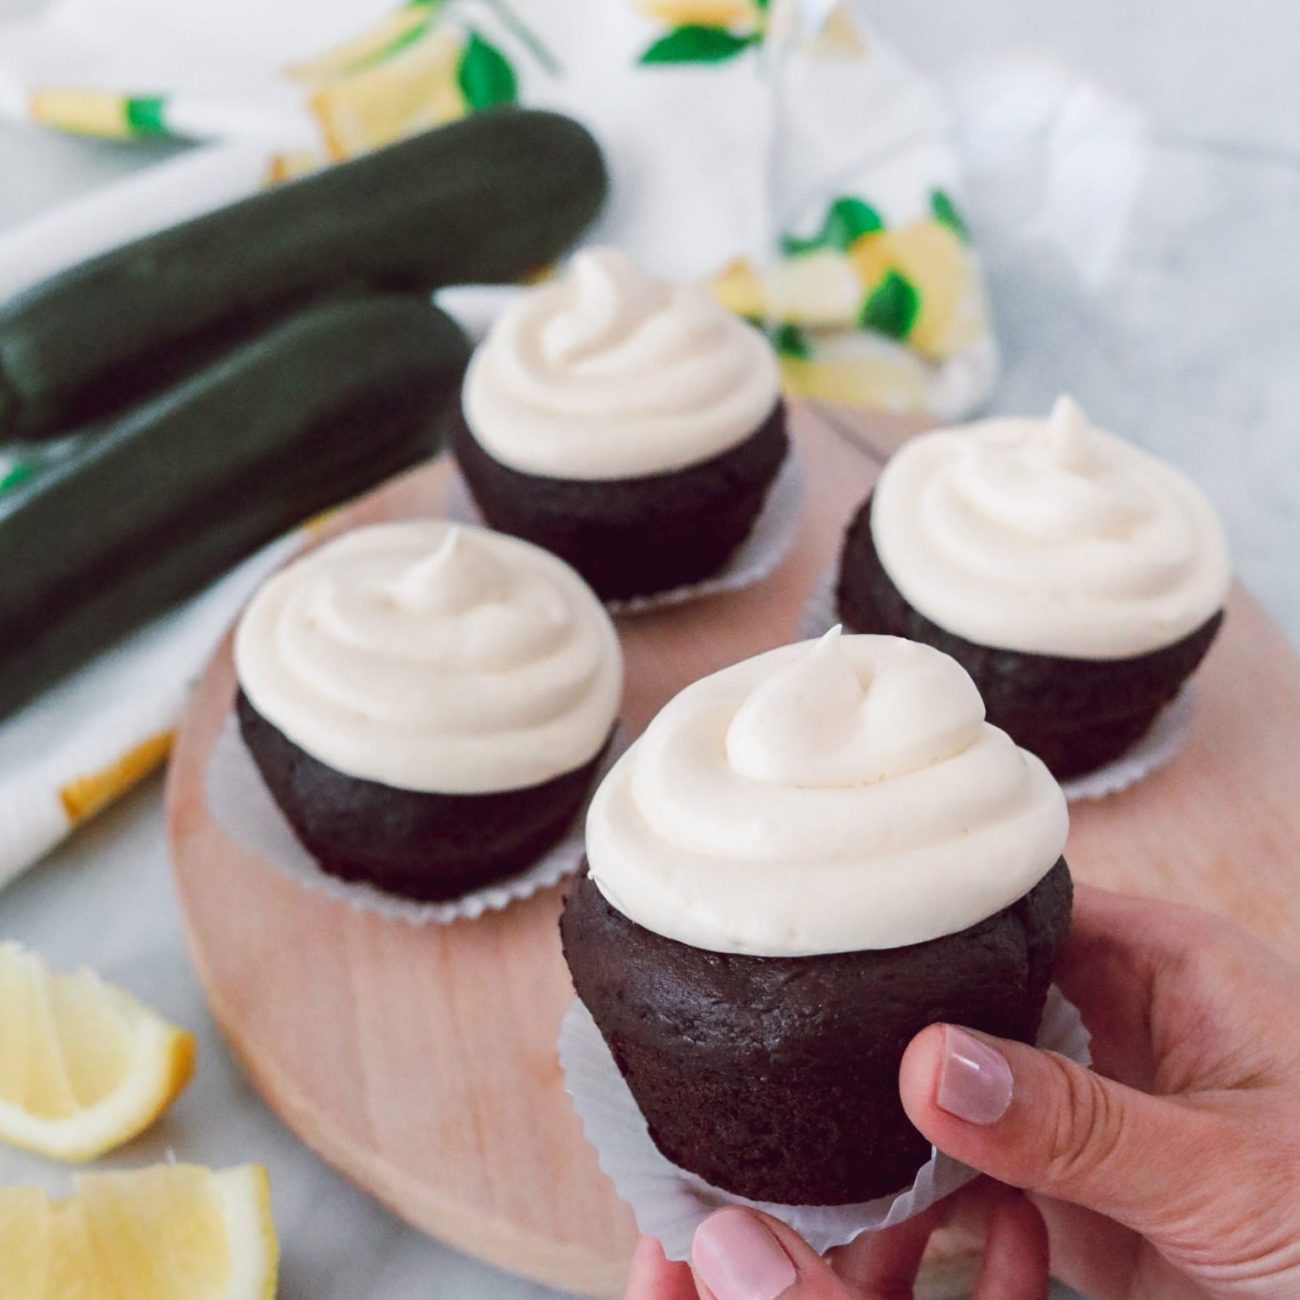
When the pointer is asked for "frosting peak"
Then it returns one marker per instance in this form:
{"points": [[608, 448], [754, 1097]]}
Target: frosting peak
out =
{"points": [[1067, 440], [832, 796], [1049, 537], [831, 718], [457, 574], [435, 658], [608, 373]]}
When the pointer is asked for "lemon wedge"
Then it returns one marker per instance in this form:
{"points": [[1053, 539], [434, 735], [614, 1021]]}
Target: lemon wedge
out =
{"points": [[24, 1243], [84, 1067], [173, 1232]]}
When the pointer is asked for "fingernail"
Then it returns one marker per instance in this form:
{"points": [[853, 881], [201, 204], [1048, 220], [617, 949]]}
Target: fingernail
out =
{"points": [[974, 1079], [737, 1258]]}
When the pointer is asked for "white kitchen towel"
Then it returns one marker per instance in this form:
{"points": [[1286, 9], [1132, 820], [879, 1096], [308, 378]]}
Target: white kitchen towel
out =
{"points": [[775, 148], [780, 152]]}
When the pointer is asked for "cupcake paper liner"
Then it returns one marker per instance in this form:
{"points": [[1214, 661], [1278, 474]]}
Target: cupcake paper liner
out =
{"points": [[244, 808], [1163, 739], [766, 546], [669, 1203]]}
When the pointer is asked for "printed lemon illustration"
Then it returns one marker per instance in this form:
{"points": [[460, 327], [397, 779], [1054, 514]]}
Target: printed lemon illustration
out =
{"points": [[412, 91], [151, 1234], [88, 111], [817, 289], [839, 37], [84, 1067], [739, 288], [376, 45], [921, 286], [701, 13], [703, 31], [434, 75], [858, 369]]}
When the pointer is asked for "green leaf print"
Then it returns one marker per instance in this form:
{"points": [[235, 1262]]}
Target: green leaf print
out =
{"points": [[846, 219], [945, 212], [698, 44], [13, 472], [144, 116], [485, 76], [892, 307], [791, 341]]}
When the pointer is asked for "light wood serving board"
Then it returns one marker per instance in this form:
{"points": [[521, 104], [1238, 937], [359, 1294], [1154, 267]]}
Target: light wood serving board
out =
{"points": [[421, 1062]]}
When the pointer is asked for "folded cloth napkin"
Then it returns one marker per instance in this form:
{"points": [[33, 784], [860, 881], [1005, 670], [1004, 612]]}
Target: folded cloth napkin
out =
{"points": [[774, 149]]}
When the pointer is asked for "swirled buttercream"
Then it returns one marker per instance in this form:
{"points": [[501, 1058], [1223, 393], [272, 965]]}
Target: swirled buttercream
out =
{"points": [[609, 374], [433, 657], [831, 796], [1049, 537]]}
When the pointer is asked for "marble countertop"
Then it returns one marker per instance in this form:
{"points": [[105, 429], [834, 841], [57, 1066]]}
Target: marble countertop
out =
{"points": [[1191, 349]]}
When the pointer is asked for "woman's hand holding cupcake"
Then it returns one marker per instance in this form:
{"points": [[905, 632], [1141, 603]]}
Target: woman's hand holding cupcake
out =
{"points": [[804, 860], [1149, 1174]]}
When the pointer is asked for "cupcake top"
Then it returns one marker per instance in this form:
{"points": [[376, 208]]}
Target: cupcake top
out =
{"points": [[433, 657], [607, 373], [1049, 537], [833, 796]]}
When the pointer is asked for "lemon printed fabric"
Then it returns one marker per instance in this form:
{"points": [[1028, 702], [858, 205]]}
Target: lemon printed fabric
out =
{"points": [[775, 150]]}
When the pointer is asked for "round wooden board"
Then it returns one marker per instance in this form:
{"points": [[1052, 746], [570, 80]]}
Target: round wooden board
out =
{"points": [[421, 1062]]}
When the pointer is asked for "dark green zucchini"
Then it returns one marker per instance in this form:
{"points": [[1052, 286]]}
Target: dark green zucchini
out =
{"points": [[484, 200], [122, 524]]}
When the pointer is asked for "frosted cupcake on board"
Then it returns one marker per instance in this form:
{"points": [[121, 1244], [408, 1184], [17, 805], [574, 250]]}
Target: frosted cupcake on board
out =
{"points": [[428, 704], [804, 860], [1079, 580], [631, 426]]}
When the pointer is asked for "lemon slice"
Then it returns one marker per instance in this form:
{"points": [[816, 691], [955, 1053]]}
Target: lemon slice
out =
{"points": [[25, 1228], [84, 1067], [173, 1232]]}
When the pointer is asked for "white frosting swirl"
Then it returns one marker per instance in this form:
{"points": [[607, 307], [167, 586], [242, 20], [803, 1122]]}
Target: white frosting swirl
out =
{"points": [[433, 657], [832, 796], [610, 374], [1049, 537]]}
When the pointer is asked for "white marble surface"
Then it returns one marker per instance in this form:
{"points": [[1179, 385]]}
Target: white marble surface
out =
{"points": [[1193, 349]]}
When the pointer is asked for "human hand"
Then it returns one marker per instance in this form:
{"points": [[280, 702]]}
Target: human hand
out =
{"points": [[1175, 1177], [739, 1254]]}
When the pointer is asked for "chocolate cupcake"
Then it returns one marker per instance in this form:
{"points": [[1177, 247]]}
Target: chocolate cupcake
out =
{"points": [[427, 704], [1077, 579], [805, 860], [633, 428]]}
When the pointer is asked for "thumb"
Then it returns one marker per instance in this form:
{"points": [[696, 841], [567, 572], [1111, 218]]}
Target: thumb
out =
{"points": [[740, 1254], [1038, 1121]]}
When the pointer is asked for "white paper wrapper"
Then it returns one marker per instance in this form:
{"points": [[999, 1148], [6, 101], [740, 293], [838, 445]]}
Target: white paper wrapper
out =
{"points": [[1152, 750], [819, 615], [766, 546], [669, 1203], [244, 808]]}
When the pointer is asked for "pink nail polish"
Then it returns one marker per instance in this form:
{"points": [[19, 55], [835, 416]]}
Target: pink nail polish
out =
{"points": [[974, 1079], [737, 1258]]}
